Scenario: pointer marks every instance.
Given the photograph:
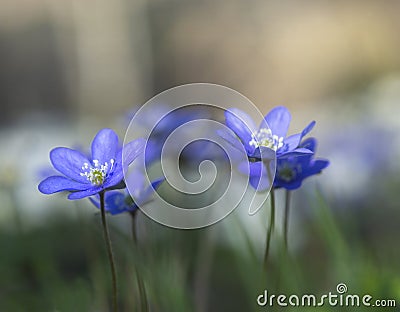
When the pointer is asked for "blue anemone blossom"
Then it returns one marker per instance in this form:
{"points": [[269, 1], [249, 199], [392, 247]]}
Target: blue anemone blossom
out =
{"points": [[292, 170], [162, 128], [120, 201], [85, 177], [270, 136], [264, 142]]}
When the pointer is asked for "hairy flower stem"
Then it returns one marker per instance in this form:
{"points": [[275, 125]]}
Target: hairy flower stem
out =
{"points": [[109, 252], [270, 228], [142, 290], [286, 220]]}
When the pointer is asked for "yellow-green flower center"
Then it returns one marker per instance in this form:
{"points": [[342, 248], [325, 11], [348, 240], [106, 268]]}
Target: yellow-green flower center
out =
{"points": [[264, 137], [287, 172], [96, 174]]}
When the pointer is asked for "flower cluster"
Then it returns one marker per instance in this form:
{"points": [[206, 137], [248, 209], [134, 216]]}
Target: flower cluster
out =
{"points": [[103, 176], [294, 157], [295, 160], [85, 176]]}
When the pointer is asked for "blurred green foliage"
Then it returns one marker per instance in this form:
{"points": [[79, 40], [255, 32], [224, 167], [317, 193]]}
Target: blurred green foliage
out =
{"points": [[63, 266]]}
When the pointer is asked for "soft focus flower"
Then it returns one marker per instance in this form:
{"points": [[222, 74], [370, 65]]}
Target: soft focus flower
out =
{"points": [[84, 177], [121, 201], [162, 120], [269, 136], [263, 143], [292, 170]]}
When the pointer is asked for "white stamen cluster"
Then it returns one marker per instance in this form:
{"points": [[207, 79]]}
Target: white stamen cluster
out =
{"points": [[96, 174], [264, 137]]}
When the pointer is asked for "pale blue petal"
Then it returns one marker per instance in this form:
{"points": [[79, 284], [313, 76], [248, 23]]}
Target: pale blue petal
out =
{"points": [[229, 137], [146, 194], [242, 125], [293, 141], [56, 184], [105, 146], [132, 150], [278, 120], [69, 162], [85, 193]]}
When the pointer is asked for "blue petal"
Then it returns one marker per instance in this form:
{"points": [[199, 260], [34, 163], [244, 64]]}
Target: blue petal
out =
{"points": [[310, 144], [145, 195], [132, 150], [307, 129], [115, 202], [296, 152], [69, 162], [242, 125], [95, 202], [243, 118], [259, 183], [278, 120], [317, 166], [105, 146], [308, 166], [135, 179], [321, 163], [258, 175], [85, 193], [230, 138], [115, 177], [293, 141], [156, 183], [244, 167], [152, 151], [56, 184]]}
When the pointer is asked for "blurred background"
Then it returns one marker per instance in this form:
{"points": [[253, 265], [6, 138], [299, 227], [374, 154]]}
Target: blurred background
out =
{"points": [[70, 68]]}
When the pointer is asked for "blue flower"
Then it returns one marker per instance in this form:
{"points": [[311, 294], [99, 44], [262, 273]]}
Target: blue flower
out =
{"points": [[83, 177], [264, 142], [292, 170], [269, 136], [162, 120], [121, 201]]}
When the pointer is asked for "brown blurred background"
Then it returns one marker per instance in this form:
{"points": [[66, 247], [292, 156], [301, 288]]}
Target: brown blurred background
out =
{"points": [[78, 58], [69, 68]]}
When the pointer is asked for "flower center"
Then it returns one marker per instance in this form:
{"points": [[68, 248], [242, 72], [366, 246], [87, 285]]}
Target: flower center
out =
{"points": [[264, 137], [288, 172], [96, 174]]}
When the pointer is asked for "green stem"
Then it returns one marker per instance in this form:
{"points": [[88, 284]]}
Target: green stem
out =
{"points": [[133, 228], [142, 289], [109, 251], [286, 220], [270, 228]]}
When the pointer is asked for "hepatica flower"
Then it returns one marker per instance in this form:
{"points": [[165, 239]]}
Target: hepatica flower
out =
{"points": [[85, 177], [269, 136], [292, 170], [163, 120], [119, 201], [261, 143]]}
